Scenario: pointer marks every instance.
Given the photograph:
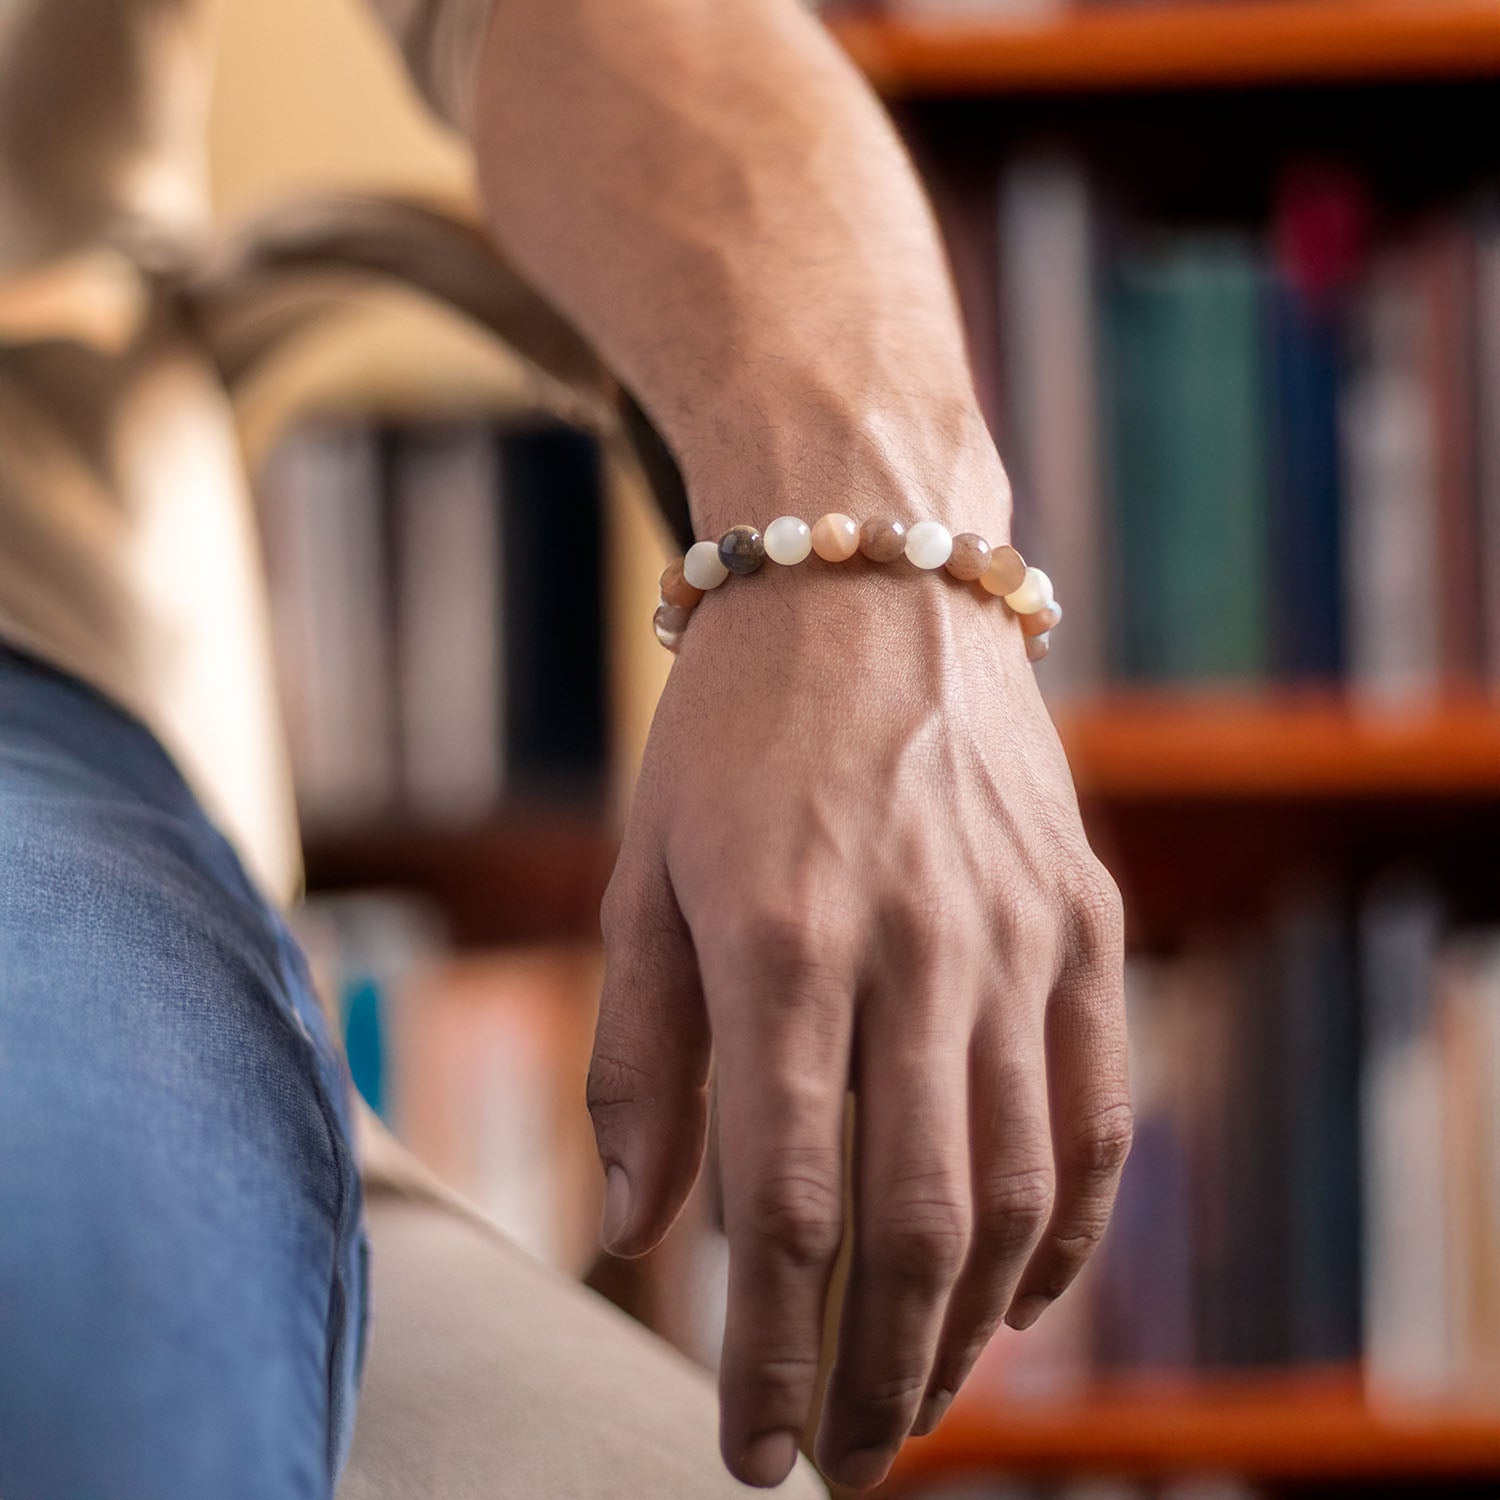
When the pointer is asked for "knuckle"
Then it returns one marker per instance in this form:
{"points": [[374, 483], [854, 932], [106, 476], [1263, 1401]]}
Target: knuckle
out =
{"points": [[613, 1083], [792, 942], [1069, 1251], [922, 1245], [1100, 1143], [778, 1382], [1016, 1207], [1099, 913], [800, 1216], [889, 1398]]}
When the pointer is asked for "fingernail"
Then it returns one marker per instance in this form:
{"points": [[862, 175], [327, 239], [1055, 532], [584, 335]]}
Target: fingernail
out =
{"points": [[769, 1459], [863, 1469], [616, 1207], [1027, 1311], [931, 1412]]}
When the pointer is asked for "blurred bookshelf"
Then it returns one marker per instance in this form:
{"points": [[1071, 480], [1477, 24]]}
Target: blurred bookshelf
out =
{"points": [[920, 50], [1230, 275]]}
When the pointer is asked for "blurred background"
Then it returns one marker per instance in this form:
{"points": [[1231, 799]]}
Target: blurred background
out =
{"points": [[1231, 275]]}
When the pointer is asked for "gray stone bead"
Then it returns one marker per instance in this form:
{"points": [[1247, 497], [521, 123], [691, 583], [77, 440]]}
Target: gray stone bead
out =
{"points": [[742, 549]]}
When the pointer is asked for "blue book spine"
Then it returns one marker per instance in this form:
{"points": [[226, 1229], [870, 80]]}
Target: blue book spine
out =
{"points": [[1306, 488]]}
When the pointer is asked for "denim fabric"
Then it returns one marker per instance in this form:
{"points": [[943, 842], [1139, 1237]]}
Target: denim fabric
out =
{"points": [[181, 1258]]}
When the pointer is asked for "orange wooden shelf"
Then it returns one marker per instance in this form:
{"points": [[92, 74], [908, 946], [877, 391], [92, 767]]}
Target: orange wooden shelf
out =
{"points": [[530, 874], [1174, 746], [1277, 1426], [1192, 43]]}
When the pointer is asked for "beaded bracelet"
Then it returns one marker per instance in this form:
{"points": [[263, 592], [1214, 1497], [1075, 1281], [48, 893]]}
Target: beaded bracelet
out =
{"points": [[929, 545]]}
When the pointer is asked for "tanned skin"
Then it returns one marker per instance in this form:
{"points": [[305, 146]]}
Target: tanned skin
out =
{"points": [[855, 860]]}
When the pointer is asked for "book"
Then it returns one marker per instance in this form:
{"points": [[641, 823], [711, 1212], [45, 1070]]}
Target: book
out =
{"points": [[1312, 952], [1318, 247], [1408, 1341], [1185, 384], [323, 521], [555, 663], [1389, 441], [446, 529], [1487, 429], [1046, 251]]}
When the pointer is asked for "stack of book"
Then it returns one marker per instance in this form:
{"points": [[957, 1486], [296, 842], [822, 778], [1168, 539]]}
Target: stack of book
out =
{"points": [[1316, 1175], [436, 595], [1252, 455]]}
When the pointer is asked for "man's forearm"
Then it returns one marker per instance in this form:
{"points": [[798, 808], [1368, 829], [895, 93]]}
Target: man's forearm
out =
{"points": [[708, 190]]}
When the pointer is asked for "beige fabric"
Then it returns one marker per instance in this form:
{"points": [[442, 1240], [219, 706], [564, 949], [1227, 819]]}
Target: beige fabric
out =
{"points": [[127, 553], [491, 1378]]}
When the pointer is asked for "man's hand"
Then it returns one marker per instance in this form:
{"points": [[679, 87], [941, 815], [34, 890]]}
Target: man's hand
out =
{"points": [[855, 863], [855, 856]]}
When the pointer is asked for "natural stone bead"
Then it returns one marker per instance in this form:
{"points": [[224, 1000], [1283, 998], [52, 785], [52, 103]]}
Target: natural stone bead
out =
{"points": [[742, 549], [1034, 593], [669, 622], [1043, 620], [788, 540], [702, 567], [1006, 570], [929, 544], [835, 537], [971, 556], [882, 540], [675, 589], [1037, 646]]}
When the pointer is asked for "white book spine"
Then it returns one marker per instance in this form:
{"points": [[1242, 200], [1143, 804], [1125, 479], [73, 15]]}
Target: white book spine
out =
{"points": [[1049, 343], [1390, 533], [1487, 324], [1408, 1340], [324, 496]]}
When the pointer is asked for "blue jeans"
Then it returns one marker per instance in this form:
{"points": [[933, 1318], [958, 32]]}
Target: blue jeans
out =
{"points": [[181, 1257]]}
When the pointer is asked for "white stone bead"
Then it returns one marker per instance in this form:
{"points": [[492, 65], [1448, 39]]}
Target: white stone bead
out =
{"points": [[929, 544], [1037, 646], [788, 540], [702, 566], [1034, 593]]}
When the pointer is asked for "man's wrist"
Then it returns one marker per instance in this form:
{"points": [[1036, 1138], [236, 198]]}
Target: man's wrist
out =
{"points": [[936, 462]]}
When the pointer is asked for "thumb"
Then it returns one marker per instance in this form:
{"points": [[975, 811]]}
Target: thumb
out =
{"points": [[648, 1079]]}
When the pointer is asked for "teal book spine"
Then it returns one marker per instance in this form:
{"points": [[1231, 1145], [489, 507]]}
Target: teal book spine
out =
{"points": [[1188, 400]]}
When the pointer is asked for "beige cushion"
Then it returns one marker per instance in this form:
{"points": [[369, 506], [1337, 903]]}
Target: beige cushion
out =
{"points": [[489, 1375]]}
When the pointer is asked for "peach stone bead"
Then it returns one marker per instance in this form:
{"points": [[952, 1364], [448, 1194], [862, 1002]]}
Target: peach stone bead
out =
{"points": [[882, 540], [1032, 594], [675, 589], [1043, 620], [835, 537], [1006, 570], [970, 559], [1037, 646]]}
